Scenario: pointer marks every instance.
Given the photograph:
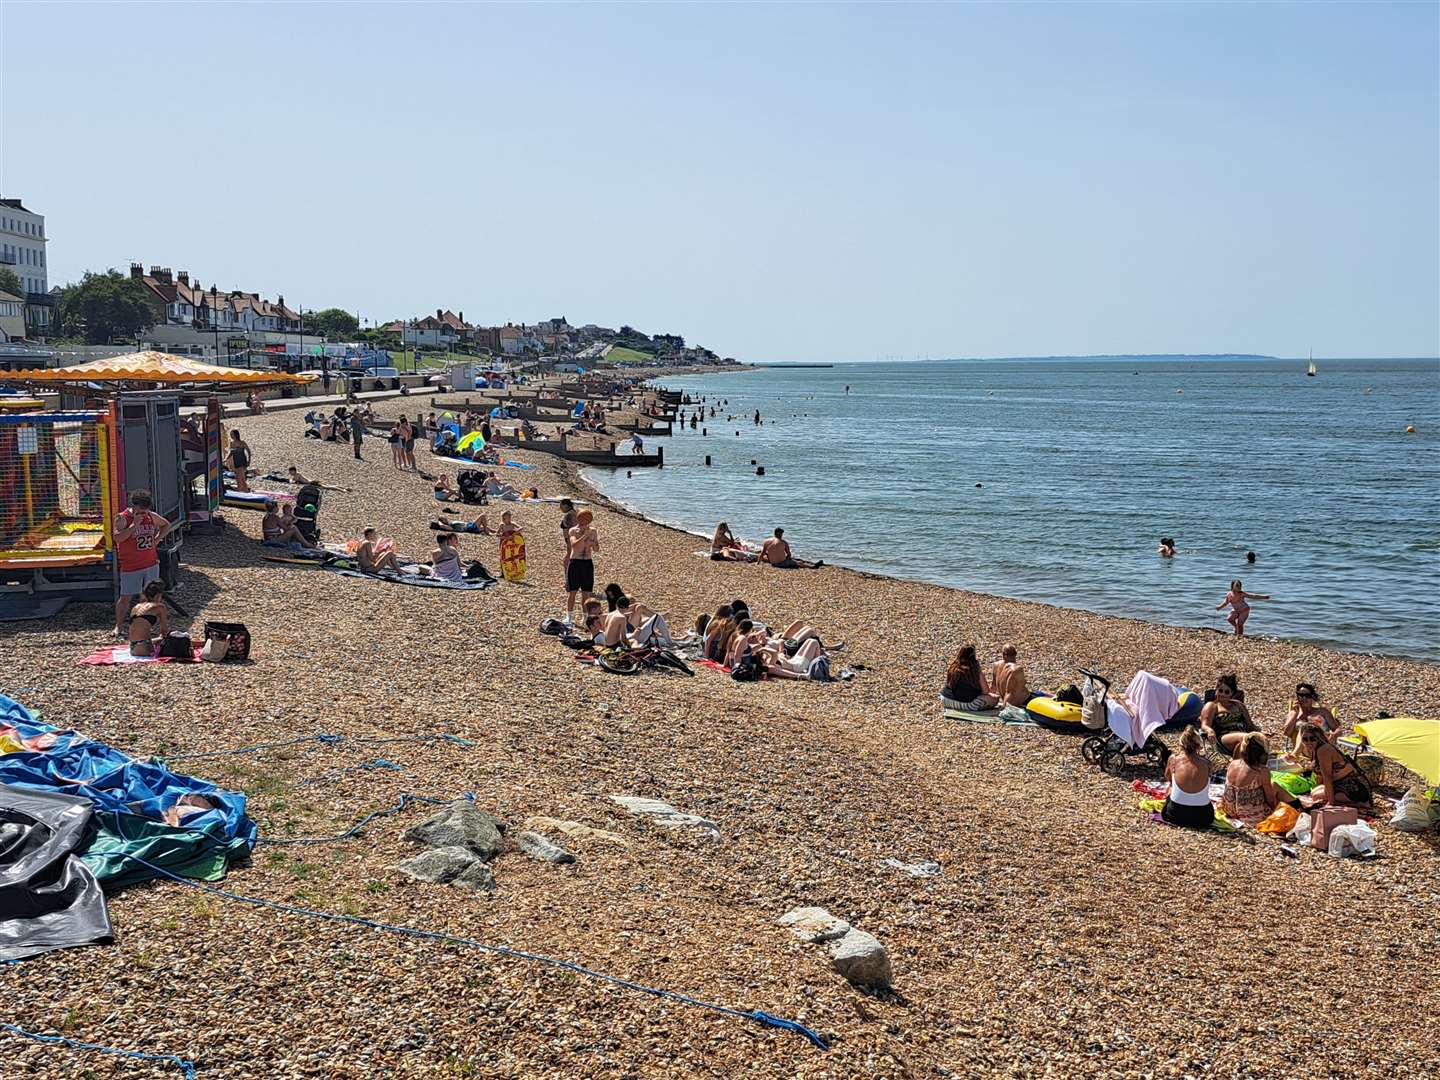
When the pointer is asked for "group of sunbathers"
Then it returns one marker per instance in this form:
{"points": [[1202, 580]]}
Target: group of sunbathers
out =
{"points": [[736, 640]]}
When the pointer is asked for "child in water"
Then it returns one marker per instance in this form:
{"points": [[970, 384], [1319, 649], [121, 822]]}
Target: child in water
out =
{"points": [[1237, 599]]}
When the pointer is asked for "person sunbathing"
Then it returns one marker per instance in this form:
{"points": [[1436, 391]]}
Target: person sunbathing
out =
{"points": [[1340, 781], [800, 631], [724, 547], [149, 620], [776, 551], [1225, 721], [645, 623], [1307, 709], [295, 477], [480, 526], [371, 561], [444, 491], [746, 640], [801, 664], [718, 632]]}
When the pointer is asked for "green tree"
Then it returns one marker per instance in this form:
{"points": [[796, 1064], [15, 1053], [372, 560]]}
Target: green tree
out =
{"points": [[335, 324], [10, 282], [104, 307]]}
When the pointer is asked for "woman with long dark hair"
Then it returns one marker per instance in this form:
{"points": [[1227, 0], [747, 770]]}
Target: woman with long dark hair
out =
{"points": [[965, 682]]}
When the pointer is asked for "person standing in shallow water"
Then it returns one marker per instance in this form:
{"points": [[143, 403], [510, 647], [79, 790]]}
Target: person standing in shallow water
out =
{"points": [[1238, 600]]}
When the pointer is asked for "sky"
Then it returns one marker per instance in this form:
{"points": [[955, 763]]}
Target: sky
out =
{"points": [[778, 182]]}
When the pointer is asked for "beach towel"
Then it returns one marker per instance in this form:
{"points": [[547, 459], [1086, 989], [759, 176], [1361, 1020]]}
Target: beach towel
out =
{"points": [[409, 578], [469, 464], [1153, 701], [1002, 717], [714, 665], [253, 500], [120, 654]]}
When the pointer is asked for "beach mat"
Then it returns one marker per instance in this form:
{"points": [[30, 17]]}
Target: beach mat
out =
{"points": [[410, 579], [996, 717], [253, 500], [120, 654]]}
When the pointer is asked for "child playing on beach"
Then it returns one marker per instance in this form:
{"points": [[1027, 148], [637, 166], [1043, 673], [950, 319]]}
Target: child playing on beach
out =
{"points": [[508, 528], [1237, 599]]}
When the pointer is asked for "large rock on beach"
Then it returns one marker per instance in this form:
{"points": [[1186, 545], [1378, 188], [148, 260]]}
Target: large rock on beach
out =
{"points": [[856, 955], [460, 824], [662, 813], [541, 849], [453, 865], [862, 960]]}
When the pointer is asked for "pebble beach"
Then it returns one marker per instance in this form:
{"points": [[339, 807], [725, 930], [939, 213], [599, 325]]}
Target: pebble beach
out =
{"points": [[1065, 933]]}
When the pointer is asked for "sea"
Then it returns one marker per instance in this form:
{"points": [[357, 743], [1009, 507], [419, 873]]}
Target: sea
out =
{"points": [[1054, 479]]}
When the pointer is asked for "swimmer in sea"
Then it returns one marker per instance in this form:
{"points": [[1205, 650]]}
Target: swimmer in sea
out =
{"points": [[1167, 547], [1237, 599]]}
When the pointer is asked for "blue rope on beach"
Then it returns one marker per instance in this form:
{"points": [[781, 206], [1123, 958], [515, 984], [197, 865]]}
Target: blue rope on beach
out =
{"points": [[185, 1066], [328, 740], [757, 1015], [405, 800]]}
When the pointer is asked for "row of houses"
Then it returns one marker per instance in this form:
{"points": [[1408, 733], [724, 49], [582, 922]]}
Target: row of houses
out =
{"points": [[449, 330], [179, 299]]}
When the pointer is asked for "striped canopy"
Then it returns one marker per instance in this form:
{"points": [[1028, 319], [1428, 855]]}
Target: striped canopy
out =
{"points": [[155, 368]]}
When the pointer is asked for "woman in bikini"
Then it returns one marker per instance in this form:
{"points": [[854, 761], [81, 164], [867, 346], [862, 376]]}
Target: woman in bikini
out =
{"points": [[1238, 600], [149, 620], [1226, 721], [238, 460], [1308, 710], [724, 547], [1340, 782]]}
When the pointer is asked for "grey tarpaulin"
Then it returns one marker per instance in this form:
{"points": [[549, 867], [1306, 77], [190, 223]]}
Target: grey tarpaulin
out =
{"points": [[49, 899]]}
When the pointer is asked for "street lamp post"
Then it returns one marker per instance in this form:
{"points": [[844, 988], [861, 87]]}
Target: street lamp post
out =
{"points": [[215, 322]]}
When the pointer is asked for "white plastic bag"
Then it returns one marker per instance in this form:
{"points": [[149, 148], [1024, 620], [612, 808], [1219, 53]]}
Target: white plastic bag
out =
{"points": [[1414, 812], [1357, 839], [1300, 834]]}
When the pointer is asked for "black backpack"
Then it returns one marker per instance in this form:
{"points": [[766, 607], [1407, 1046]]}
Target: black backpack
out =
{"points": [[748, 669]]}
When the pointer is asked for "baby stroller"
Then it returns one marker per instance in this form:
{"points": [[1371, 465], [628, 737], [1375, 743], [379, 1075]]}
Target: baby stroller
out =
{"points": [[1120, 738], [471, 483], [307, 513]]}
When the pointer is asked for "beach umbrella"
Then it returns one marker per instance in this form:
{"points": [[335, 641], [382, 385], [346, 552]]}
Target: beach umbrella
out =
{"points": [[1413, 742], [473, 439]]}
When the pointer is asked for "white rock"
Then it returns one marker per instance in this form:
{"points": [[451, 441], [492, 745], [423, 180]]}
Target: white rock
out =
{"points": [[861, 959], [665, 814]]}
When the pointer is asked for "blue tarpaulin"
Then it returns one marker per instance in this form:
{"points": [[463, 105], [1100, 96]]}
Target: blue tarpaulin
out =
{"points": [[186, 823]]}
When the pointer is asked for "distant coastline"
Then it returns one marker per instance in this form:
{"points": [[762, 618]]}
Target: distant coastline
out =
{"points": [[1123, 356]]}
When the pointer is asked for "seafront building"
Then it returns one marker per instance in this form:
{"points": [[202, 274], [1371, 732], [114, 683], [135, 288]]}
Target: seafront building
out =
{"points": [[22, 249]]}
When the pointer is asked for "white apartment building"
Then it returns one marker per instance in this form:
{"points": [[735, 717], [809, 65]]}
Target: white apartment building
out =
{"points": [[22, 249]]}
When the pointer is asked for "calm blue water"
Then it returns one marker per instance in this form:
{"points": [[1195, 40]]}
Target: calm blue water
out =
{"points": [[1085, 464]]}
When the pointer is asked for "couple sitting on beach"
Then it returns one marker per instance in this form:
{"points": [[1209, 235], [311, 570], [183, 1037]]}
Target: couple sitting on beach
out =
{"points": [[748, 649], [374, 554], [969, 689], [775, 551]]}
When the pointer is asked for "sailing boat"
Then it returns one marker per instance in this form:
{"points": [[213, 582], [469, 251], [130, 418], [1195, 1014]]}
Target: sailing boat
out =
{"points": [[1311, 369]]}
